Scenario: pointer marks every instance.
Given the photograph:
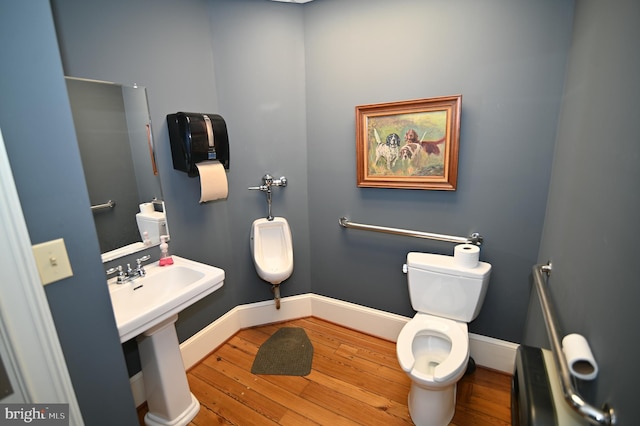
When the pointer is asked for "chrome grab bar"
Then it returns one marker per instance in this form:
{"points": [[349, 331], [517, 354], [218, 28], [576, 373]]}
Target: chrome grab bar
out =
{"points": [[606, 416], [108, 205], [474, 238]]}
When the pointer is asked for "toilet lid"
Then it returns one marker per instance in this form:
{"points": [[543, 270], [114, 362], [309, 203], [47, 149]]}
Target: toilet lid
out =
{"points": [[426, 324]]}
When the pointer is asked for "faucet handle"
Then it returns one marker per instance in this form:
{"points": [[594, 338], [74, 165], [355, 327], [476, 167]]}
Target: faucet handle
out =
{"points": [[120, 272], [114, 270], [140, 269]]}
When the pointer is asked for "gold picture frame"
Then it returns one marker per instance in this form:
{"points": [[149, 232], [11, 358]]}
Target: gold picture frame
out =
{"points": [[409, 144]]}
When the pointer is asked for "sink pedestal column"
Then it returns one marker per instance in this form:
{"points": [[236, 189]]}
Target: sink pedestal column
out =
{"points": [[170, 401]]}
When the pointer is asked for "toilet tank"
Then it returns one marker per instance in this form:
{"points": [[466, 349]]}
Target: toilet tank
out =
{"points": [[154, 224], [437, 286]]}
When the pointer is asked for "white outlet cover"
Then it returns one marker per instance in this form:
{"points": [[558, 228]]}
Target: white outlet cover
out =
{"points": [[52, 261]]}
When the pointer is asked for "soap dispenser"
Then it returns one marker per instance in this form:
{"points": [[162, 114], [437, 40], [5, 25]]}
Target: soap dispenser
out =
{"points": [[165, 259]]}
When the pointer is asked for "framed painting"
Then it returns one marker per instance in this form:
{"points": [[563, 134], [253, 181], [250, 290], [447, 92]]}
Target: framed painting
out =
{"points": [[409, 144]]}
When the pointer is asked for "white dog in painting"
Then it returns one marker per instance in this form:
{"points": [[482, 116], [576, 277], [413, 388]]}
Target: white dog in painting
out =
{"points": [[390, 150]]}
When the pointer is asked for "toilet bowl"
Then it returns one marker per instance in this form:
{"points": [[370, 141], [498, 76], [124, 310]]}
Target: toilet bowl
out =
{"points": [[433, 347], [434, 352], [272, 249]]}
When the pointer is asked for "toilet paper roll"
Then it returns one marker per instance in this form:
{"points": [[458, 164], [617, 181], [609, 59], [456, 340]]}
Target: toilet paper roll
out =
{"points": [[466, 255], [147, 208], [213, 181], [579, 357]]}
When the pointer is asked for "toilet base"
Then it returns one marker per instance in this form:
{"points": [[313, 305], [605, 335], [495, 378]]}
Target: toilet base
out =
{"points": [[431, 407]]}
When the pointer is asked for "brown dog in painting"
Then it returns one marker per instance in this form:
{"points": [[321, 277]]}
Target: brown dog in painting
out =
{"points": [[410, 152], [430, 147]]}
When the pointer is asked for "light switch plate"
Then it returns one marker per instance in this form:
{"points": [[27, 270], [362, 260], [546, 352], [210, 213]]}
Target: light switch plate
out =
{"points": [[52, 261]]}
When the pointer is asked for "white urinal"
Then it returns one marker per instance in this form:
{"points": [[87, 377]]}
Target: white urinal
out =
{"points": [[272, 250]]}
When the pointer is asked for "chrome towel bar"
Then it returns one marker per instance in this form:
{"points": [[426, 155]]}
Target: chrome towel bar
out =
{"points": [[108, 205], [606, 416], [475, 238]]}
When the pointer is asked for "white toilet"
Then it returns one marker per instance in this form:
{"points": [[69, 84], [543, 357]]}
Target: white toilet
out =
{"points": [[433, 347], [151, 224], [272, 251]]}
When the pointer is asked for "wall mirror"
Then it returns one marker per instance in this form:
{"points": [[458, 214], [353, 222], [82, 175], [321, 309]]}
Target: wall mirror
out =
{"points": [[113, 127]]}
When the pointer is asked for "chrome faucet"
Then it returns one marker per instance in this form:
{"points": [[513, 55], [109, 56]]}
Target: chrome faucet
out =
{"points": [[130, 274]]}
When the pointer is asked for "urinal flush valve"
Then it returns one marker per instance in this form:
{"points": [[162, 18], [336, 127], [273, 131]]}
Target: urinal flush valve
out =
{"points": [[267, 182]]}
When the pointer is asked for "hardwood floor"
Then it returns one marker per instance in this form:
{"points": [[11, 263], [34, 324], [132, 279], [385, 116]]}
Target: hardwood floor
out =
{"points": [[355, 380]]}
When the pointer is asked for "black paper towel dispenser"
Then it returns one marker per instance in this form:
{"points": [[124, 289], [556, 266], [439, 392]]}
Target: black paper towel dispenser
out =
{"points": [[197, 137]]}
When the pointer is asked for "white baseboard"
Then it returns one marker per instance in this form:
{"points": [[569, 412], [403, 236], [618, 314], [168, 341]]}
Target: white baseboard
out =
{"points": [[486, 351], [493, 353]]}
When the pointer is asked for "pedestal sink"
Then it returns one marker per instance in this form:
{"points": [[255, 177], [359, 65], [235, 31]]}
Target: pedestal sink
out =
{"points": [[147, 308]]}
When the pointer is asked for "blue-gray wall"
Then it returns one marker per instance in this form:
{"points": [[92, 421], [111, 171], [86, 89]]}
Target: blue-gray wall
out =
{"points": [[507, 59], [38, 131], [591, 227]]}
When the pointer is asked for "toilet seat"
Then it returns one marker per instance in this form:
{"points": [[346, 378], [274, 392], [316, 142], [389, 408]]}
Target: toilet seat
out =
{"points": [[454, 363]]}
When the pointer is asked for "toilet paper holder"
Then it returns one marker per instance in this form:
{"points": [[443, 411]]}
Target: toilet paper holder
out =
{"points": [[604, 416]]}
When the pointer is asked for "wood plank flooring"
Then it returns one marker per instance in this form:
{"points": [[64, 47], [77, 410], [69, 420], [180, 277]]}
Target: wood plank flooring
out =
{"points": [[355, 380]]}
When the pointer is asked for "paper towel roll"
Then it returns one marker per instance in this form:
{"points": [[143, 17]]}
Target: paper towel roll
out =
{"points": [[466, 255], [147, 208], [579, 357], [213, 181]]}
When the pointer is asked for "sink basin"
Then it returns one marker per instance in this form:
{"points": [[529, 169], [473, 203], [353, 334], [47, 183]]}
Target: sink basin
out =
{"points": [[147, 301]]}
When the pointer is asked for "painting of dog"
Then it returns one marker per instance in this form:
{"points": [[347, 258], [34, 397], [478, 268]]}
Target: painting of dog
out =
{"points": [[411, 136], [390, 150], [408, 144], [410, 151], [430, 147]]}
